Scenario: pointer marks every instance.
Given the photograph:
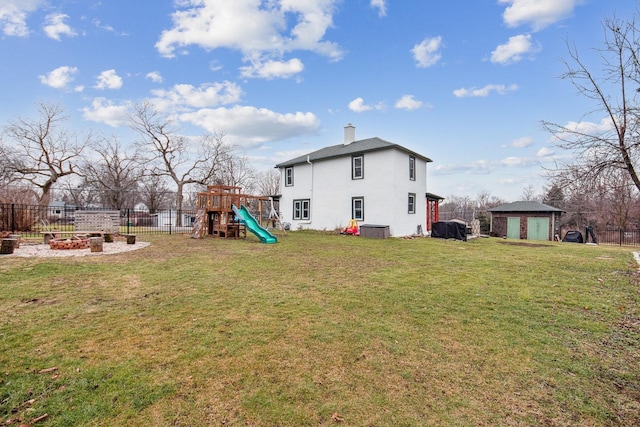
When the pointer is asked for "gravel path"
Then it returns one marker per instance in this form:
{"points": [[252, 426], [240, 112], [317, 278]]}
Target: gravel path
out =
{"points": [[42, 250]]}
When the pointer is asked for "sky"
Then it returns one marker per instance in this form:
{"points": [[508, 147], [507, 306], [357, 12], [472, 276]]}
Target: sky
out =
{"points": [[466, 83]]}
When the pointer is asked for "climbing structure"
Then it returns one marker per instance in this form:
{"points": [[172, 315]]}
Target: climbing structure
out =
{"points": [[215, 215]]}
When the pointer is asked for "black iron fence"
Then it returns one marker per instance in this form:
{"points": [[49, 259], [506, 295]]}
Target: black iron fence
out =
{"points": [[615, 236], [32, 221]]}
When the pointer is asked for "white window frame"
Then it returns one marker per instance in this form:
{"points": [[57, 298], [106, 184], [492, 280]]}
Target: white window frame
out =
{"points": [[412, 168], [411, 202], [357, 213], [301, 209], [360, 168], [288, 176]]}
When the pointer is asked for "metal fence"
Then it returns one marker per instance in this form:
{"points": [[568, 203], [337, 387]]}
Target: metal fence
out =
{"points": [[616, 236], [31, 220]]}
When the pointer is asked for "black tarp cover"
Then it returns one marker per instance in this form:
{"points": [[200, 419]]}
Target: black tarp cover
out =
{"points": [[573, 237], [449, 230]]}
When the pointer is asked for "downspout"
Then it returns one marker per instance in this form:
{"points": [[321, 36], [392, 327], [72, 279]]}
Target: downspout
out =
{"points": [[311, 198]]}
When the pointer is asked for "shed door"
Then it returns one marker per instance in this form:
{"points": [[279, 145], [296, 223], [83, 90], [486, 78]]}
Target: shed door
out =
{"points": [[538, 228], [513, 227]]}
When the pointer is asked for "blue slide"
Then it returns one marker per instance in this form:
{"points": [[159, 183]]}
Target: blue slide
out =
{"points": [[253, 225]]}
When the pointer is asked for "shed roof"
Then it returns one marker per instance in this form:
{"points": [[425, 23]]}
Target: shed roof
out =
{"points": [[356, 147], [525, 206]]}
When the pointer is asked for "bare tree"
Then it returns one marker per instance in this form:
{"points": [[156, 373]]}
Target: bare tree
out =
{"points": [[486, 201], [268, 182], [615, 145], [458, 207], [236, 171], [615, 200], [43, 150], [529, 194], [171, 153], [114, 174], [155, 193], [79, 194], [6, 174]]}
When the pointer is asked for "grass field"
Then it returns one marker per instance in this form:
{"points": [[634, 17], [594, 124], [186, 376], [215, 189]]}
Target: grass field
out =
{"points": [[323, 329]]}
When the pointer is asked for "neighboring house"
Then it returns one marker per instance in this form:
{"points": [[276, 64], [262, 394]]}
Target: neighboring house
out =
{"points": [[60, 211], [525, 220], [371, 180]]}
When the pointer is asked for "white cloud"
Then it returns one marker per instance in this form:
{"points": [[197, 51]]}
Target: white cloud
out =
{"points": [[407, 102], [13, 16], [251, 126], [485, 167], [381, 6], [544, 152], [484, 91], [513, 50], [537, 13], [108, 28], [574, 129], [104, 111], [154, 76], [272, 69], [358, 106], [523, 142], [186, 96], [108, 80], [59, 78], [277, 27], [427, 52], [55, 26]]}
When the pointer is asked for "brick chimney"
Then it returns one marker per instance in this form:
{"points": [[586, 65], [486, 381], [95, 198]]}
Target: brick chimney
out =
{"points": [[349, 134]]}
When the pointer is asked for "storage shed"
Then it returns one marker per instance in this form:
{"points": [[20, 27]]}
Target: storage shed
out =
{"points": [[525, 220]]}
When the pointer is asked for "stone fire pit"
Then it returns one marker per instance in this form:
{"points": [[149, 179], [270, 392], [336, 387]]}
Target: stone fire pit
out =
{"points": [[74, 242]]}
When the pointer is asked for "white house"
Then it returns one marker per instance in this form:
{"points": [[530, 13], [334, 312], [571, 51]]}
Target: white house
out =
{"points": [[373, 181]]}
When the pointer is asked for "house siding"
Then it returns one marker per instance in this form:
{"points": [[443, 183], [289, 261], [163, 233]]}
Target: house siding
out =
{"points": [[385, 188]]}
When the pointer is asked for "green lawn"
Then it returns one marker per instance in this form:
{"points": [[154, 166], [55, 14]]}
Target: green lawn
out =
{"points": [[323, 329]]}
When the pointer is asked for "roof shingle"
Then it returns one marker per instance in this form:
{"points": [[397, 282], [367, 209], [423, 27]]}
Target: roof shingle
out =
{"points": [[525, 206], [356, 147]]}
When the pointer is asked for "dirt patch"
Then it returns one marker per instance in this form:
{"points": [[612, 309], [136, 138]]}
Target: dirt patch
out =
{"points": [[533, 245]]}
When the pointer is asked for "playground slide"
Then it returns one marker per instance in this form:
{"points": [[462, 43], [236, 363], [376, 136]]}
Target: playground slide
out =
{"points": [[253, 226]]}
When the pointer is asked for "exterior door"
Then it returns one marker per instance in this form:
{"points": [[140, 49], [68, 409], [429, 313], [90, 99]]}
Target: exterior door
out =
{"points": [[538, 228], [513, 227]]}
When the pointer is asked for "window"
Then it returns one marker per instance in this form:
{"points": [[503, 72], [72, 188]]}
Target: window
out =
{"points": [[412, 203], [301, 209], [412, 168], [288, 176], [357, 208], [357, 167]]}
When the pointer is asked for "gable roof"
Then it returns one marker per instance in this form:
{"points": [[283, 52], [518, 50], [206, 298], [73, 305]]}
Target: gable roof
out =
{"points": [[525, 206], [356, 147]]}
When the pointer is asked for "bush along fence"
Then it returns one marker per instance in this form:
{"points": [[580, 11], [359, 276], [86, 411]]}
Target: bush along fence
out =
{"points": [[32, 220]]}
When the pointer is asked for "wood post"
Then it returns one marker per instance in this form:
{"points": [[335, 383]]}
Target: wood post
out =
{"points": [[95, 243]]}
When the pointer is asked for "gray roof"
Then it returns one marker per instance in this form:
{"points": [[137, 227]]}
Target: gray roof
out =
{"points": [[525, 206], [356, 147]]}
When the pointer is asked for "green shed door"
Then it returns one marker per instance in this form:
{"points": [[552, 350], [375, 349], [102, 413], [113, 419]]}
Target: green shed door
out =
{"points": [[513, 227], [538, 228]]}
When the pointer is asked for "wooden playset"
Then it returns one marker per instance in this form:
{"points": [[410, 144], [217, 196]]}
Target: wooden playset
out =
{"points": [[215, 215]]}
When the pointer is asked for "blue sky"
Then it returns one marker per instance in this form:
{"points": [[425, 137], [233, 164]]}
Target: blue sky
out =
{"points": [[463, 82]]}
